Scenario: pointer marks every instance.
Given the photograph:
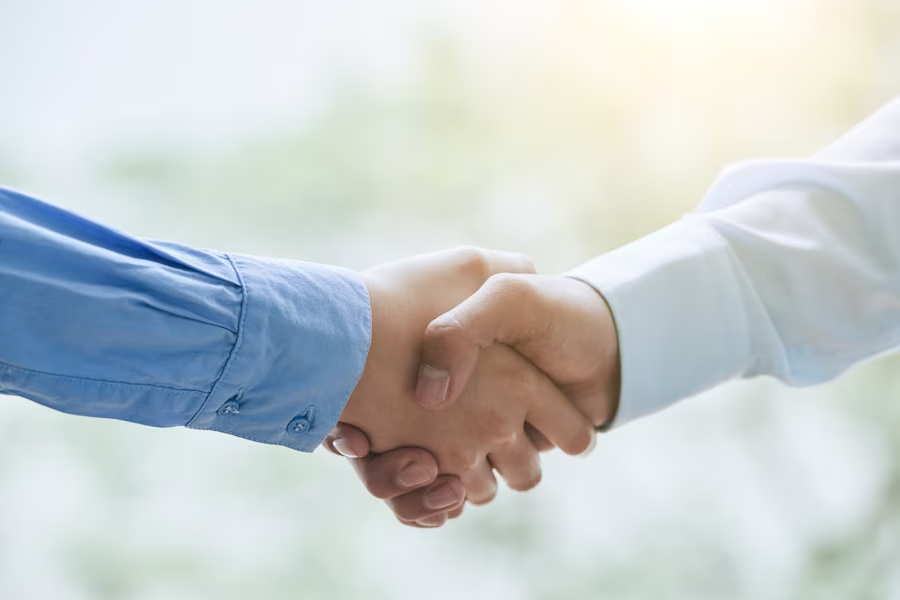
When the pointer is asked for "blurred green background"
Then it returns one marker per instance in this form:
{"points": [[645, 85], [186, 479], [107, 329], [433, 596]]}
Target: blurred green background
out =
{"points": [[352, 132]]}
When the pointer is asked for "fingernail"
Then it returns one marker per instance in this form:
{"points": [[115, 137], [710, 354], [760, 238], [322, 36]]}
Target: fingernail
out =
{"points": [[590, 448], [413, 476], [442, 496], [433, 521], [340, 444], [432, 387]]}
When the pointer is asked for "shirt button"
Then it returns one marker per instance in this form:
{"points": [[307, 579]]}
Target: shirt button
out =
{"points": [[229, 408], [302, 422], [298, 426]]}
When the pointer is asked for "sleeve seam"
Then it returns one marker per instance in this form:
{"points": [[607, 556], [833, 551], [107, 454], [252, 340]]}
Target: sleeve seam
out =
{"points": [[237, 343]]}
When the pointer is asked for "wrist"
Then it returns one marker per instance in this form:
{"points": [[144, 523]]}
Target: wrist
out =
{"points": [[612, 374], [355, 411], [384, 395], [598, 396]]}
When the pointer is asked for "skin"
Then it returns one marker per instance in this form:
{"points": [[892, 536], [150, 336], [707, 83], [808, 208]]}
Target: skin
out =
{"points": [[561, 325], [425, 502], [500, 418], [429, 501]]}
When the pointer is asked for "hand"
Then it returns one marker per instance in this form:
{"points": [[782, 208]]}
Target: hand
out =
{"points": [[484, 430], [405, 296], [562, 325], [407, 478]]}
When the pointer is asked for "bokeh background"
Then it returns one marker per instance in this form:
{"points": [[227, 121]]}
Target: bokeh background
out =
{"points": [[352, 132]]}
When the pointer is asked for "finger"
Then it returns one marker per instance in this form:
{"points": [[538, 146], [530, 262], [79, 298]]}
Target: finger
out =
{"points": [[501, 261], [557, 419], [435, 521], [460, 271], [397, 472], [537, 438], [438, 520], [416, 524], [444, 347], [518, 463], [498, 311], [480, 483], [428, 523], [477, 265], [445, 494], [348, 441]]}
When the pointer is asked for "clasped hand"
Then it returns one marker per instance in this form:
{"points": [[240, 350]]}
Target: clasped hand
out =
{"points": [[476, 365]]}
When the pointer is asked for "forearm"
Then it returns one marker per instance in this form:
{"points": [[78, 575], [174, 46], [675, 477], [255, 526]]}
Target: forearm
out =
{"points": [[789, 269], [99, 323]]}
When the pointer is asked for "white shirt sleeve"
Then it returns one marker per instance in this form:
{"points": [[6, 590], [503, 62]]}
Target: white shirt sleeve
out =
{"points": [[789, 268]]}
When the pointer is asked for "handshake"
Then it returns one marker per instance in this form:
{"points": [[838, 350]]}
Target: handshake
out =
{"points": [[476, 365]]}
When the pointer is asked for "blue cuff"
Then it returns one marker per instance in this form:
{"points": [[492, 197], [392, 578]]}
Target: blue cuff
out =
{"points": [[303, 338]]}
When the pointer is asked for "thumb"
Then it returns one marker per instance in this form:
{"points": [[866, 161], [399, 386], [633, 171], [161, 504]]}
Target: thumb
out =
{"points": [[498, 312], [348, 441]]}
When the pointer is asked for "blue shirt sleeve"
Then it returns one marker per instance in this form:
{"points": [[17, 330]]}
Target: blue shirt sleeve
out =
{"points": [[98, 323]]}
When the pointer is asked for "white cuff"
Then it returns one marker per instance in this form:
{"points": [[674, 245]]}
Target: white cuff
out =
{"points": [[676, 296]]}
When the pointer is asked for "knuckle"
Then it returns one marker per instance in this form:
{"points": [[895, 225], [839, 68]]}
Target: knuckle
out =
{"points": [[502, 438], [496, 429], [474, 260], [444, 334], [509, 284], [404, 457], [443, 330], [460, 461]]}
